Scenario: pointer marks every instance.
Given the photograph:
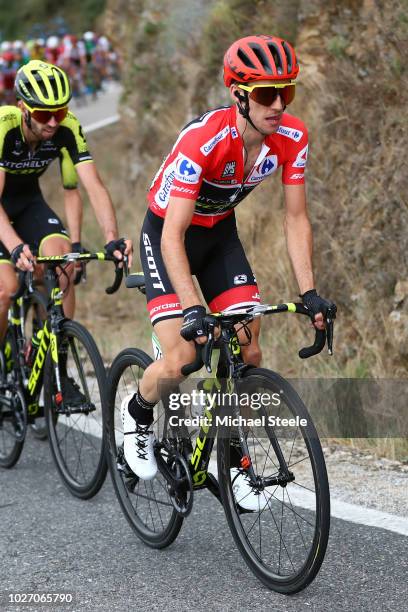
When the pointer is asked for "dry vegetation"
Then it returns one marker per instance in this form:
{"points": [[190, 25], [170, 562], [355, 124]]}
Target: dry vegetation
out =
{"points": [[353, 97]]}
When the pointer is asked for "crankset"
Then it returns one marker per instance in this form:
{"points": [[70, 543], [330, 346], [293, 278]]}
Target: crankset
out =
{"points": [[174, 468]]}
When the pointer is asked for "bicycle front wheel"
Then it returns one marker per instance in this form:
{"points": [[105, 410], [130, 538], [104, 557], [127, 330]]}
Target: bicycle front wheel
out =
{"points": [[281, 524], [146, 503], [75, 424]]}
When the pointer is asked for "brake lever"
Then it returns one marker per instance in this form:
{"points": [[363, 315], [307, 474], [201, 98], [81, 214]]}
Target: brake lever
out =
{"points": [[331, 315], [29, 280], [209, 347]]}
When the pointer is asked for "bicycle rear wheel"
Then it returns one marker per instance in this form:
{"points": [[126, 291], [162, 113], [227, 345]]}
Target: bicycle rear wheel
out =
{"points": [[146, 503], [283, 540], [13, 424], [13, 408], [75, 428]]}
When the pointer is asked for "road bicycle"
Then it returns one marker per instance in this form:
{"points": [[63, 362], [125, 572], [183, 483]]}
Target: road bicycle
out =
{"points": [[51, 370], [273, 445]]}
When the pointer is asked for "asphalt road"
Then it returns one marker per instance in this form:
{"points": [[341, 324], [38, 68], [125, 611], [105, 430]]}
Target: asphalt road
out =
{"points": [[90, 112], [51, 542]]}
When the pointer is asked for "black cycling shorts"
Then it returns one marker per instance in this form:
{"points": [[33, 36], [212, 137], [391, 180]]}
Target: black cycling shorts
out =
{"points": [[216, 258], [35, 223]]}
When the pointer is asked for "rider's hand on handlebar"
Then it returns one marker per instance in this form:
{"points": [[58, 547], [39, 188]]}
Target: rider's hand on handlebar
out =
{"points": [[317, 306], [118, 248], [193, 327], [22, 257]]}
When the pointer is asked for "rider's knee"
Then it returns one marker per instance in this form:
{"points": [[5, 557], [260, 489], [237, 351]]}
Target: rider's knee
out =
{"points": [[174, 361], [6, 290], [252, 354]]}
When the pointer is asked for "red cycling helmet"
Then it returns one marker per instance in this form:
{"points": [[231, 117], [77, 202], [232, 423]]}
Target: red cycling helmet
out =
{"points": [[259, 58]]}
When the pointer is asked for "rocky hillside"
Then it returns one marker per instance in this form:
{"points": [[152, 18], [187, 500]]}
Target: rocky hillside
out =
{"points": [[353, 97]]}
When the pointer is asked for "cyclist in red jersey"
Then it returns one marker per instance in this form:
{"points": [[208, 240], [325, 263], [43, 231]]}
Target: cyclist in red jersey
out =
{"points": [[190, 228]]}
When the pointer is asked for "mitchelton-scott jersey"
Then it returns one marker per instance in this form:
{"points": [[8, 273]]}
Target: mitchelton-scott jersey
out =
{"points": [[23, 166], [206, 164]]}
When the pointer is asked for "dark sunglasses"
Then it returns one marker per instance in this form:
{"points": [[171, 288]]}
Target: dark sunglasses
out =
{"points": [[44, 116], [266, 95]]}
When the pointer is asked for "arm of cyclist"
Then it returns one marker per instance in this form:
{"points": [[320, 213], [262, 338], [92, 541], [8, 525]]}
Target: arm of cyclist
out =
{"points": [[178, 218], [20, 253], [73, 206], [103, 207], [299, 242]]}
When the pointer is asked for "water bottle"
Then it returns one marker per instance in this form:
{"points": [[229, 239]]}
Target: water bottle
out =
{"points": [[32, 348]]}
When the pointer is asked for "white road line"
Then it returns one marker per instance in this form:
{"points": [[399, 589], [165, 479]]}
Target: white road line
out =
{"points": [[339, 509], [354, 513], [344, 510], [100, 124]]}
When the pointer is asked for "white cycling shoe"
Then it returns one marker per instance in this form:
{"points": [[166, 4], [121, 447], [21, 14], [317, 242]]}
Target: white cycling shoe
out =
{"points": [[246, 496], [138, 444]]}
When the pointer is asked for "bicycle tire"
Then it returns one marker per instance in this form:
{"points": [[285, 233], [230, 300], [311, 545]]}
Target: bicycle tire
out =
{"points": [[132, 492], [10, 451], [312, 516], [69, 434], [38, 303]]}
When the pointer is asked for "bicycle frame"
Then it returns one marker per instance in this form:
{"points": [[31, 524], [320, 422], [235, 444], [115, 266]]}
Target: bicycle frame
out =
{"points": [[51, 327], [229, 369]]}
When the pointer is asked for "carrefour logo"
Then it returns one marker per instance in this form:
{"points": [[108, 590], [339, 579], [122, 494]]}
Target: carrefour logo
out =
{"points": [[187, 171], [208, 146], [267, 166], [295, 135]]}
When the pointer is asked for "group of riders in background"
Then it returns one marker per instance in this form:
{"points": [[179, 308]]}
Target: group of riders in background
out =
{"points": [[89, 60]]}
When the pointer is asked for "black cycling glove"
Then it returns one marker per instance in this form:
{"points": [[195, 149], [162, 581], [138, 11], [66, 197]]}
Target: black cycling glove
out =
{"points": [[193, 324], [115, 245], [315, 304], [16, 252], [77, 247]]}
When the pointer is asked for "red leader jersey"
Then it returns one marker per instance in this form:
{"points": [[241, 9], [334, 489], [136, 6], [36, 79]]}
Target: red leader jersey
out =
{"points": [[206, 164]]}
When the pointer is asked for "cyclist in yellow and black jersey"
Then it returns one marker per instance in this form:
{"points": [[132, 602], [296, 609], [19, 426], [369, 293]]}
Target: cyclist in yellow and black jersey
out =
{"points": [[32, 135], [24, 165]]}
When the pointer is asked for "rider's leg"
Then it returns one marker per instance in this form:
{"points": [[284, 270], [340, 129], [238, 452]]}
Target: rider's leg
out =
{"points": [[176, 353], [137, 409], [252, 353], [59, 245], [8, 285]]}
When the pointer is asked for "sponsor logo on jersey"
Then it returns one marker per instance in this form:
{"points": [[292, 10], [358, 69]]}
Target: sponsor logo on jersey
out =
{"points": [[234, 132], [256, 296], [29, 163], [266, 167], [187, 171], [295, 135], [296, 177], [240, 279], [208, 146], [164, 190], [17, 147], [53, 221], [229, 169], [178, 189], [301, 158], [223, 181]]}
